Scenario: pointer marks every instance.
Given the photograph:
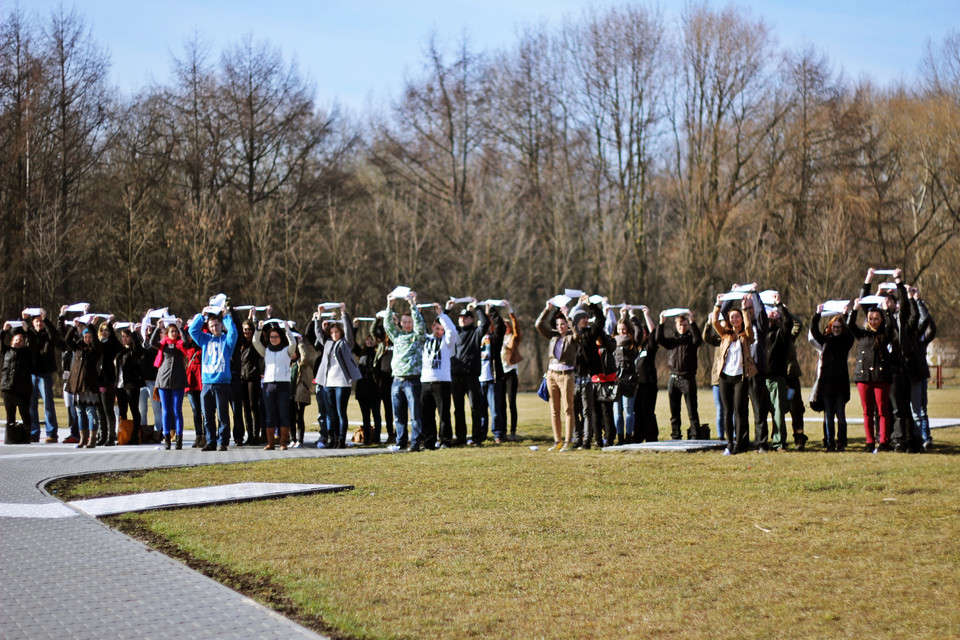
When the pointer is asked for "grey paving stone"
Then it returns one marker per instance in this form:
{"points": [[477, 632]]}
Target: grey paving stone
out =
{"points": [[74, 577]]}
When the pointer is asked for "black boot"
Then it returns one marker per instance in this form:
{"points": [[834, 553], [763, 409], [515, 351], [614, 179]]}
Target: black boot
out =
{"points": [[166, 442], [180, 441]]}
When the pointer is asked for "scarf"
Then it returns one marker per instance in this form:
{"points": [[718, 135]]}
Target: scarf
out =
{"points": [[176, 344]]}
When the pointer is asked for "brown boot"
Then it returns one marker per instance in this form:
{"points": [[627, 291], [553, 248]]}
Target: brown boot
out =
{"points": [[270, 437], [284, 438], [180, 441], [84, 437]]}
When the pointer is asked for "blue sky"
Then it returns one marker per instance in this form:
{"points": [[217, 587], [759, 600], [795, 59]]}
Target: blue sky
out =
{"points": [[358, 51]]}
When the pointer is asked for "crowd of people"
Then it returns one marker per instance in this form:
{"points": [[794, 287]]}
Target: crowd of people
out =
{"points": [[251, 379], [601, 379]]}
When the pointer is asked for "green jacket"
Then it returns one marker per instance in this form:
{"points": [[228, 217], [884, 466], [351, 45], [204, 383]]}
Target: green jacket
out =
{"points": [[407, 346]]}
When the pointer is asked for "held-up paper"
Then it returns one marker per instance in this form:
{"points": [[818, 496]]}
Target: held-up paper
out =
{"points": [[572, 293], [78, 307], [168, 320], [872, 301], [122, 325], [884, 272], [887, 286], [399, 292], [158, 313], [744, 288], [560, 300], [425, 305], [493, 302], [464, 300], [14, 324], [382, 314], [219, 300], [329, 305], [733, 295], [834, 307], [676, 311], [766, 297], [366, 319], [595, 299], [33, 312]]}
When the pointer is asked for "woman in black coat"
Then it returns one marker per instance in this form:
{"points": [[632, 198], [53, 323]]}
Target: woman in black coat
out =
{"points": [[833, 380], [15, 382]]}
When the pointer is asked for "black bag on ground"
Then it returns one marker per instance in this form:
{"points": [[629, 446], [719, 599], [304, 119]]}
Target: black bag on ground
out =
{"points": [[16, 433], [700, 432]]}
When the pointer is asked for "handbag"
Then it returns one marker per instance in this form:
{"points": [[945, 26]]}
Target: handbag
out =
{"points": [[544, 391], [628, 381], [606, 391], [125, 432], [815, 402]]}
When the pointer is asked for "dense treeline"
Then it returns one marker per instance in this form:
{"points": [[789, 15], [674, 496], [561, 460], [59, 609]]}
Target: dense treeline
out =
{"points": [[653, 162]]}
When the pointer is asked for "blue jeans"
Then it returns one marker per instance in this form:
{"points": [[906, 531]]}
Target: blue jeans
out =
{"points": [[322, 414], [43, 386], [216, 400], [335, 400], [405, 396], [835, 419], [87, 418], [276, 405], [146, 396], [718, 403], [171, 407], [918, 407], [623, 416], [496, 395], [71, 412]]}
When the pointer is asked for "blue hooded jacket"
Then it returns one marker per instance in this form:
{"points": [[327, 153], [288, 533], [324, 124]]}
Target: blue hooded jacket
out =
{"points": [[215, 363]]}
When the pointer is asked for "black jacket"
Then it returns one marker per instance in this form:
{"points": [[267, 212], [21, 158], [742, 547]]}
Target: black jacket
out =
{"points": [[130, 365], [834, 376], [17, 366], [778, 344], [682, 360], [465, 359], [875, 351], [45, 343]]}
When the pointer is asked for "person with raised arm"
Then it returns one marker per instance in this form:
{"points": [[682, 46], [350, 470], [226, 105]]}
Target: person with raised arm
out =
{"points": [[337, 370], [217, 348], [435, 379], [406, 364], [734, 366], [552, 323], [873, 371], [833, 381], [43, 335], [171, 381], [682, 349], [277, 354]]}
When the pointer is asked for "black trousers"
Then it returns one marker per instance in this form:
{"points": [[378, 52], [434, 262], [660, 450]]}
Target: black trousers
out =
{"points": [[13, 402], [130, 397], [687, 388], [904, 433], [645, 411], [733, 392], [511, 381], [385, 385], [469, 386], [434, 399], [760, 400]]}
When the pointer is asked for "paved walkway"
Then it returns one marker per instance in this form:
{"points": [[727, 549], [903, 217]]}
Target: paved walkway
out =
{"points": [[64, 574]]}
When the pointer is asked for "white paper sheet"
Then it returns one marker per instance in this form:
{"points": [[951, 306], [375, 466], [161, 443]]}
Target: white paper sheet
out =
{"points": [[596, 299], [766, 297], [572, 293], [400, 291], [463, 300], [871, 300], [78, 307], [560, 300], [33, 312], [676, 311]]}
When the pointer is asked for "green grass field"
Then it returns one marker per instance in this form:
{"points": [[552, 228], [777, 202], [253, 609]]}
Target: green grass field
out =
{"points": [[506, 542]]}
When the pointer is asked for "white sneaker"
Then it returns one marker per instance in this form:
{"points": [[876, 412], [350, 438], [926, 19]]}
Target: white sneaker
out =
{"points": [[393, 447]]}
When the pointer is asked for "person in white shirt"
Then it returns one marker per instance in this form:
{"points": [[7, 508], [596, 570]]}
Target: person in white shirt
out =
{"points": [[435, 380]]}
